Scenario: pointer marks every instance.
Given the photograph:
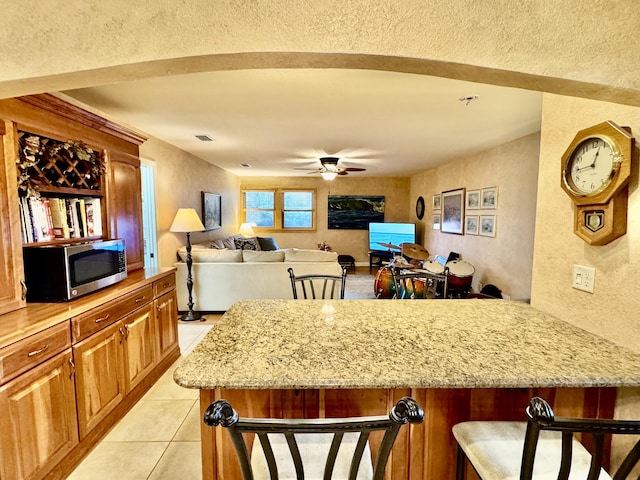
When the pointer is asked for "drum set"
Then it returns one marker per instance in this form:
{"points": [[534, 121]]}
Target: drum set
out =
{"points": [[419, 277]]}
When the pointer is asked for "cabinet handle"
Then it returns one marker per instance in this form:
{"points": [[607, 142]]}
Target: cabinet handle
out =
{"points": [[140, 299], [73, 368], [165, 285], [36, 352], [24, 289], [102, 319]]}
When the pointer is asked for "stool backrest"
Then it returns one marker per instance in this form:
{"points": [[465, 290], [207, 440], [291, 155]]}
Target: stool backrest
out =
{"points": [[222, 413], [318, 286], [541, 417]]}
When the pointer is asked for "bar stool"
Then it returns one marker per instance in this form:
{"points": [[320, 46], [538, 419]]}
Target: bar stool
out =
{"points": [[544, 447]]}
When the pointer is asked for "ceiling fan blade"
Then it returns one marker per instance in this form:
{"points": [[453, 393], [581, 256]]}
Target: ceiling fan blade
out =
{"points": [[342, 172], [354, 169]]}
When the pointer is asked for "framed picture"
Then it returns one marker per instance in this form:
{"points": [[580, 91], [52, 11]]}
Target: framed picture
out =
{"points": [[489, 198], [211, 211], [453, 211], [487, 225], [355, 212], [473, 200], [436, 202], [436, 222], [471, 224]]}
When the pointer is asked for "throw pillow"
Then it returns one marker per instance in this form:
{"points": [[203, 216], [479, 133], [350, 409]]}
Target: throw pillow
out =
{"points": [[268, 243], [230, 241], [267, 256], [217, 244], [250, 243]]}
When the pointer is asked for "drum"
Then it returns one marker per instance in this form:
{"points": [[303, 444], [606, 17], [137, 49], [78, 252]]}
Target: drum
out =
{"points": [[383, 285], [433, 267], [413, 291], [460, 276]]}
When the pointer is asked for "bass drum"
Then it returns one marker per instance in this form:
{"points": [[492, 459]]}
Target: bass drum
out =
{"points": [[460, 277], [383, 285]]}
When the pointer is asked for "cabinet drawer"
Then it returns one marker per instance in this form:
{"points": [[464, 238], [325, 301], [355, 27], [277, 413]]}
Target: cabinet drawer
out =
{"points": [[96, 319], [33, 350], [164, 285]]}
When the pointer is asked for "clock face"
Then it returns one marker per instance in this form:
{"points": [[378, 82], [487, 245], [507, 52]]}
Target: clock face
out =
{"points": [[592, 166]]}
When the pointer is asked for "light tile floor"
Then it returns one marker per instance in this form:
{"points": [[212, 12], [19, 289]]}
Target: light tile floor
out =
{"points": [[160, 436]]}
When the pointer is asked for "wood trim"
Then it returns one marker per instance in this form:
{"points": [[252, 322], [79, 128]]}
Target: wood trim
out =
{"points": [[58, 106]]}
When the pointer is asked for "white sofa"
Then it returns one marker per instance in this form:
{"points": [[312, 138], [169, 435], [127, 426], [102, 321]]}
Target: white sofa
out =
{"points": [[224, 276]]}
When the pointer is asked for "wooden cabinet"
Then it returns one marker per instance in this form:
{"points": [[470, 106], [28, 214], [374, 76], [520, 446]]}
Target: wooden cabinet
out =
{"points": [[124, 198], [139, 345], [166, 315], [100, 383], [38, 421], [12, 295]]}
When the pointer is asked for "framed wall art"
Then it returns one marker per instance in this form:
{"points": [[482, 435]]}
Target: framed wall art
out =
{"points": [[487, 225], [436, 202], [436, 222], [355, 212], [453, 211], [471, 224], [489, 198], [211, 211], [473, 200]]}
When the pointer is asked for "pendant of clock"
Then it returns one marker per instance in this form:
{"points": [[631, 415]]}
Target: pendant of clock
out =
{"points": [[596, 168]]}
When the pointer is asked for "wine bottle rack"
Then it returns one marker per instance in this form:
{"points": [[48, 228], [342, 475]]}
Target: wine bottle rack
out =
{"points": [[45, 164]]}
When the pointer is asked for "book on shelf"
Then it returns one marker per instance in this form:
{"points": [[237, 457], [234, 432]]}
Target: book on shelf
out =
{"points": [[48, 218], [94, 217], [59, 218]]}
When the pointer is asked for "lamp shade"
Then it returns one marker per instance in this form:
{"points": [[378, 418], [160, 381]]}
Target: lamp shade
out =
{"points": [[186, 220], [246, 229]]}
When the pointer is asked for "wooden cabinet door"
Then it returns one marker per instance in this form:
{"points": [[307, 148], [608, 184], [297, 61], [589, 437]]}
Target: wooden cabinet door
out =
{"points": [[166, 312], [124, 196], [99, 375], [44, 402], [139, 345], [11, 270]]}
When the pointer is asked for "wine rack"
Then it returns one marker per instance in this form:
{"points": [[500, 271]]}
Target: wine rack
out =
{"points": [[48, 165]]}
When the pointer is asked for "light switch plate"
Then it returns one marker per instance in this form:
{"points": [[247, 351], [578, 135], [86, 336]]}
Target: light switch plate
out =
{"points": [[584, 278]]}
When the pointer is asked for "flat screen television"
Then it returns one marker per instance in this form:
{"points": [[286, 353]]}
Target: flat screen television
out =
{"points": [[390, 233]]}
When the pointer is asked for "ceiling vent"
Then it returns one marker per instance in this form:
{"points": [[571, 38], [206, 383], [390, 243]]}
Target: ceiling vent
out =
{"points": [[204, 138]]}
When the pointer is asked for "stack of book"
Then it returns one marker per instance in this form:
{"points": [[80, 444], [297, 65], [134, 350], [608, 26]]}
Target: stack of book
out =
{"points": [[49, 218]]}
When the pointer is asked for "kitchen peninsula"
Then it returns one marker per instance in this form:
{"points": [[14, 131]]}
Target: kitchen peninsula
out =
{"points": [[472, 359]]}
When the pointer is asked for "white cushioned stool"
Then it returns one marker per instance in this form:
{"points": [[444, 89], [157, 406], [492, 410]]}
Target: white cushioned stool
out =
{"points": [[544, 447]]}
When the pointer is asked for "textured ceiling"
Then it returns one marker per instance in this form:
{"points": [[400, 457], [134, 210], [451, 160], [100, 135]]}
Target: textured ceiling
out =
{"points": [[392, 124]]}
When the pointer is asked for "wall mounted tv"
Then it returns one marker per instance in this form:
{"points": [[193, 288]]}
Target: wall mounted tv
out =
{"points": [[390, 233]]}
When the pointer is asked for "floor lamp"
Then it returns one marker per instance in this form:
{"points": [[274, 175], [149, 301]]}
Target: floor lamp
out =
{"points": [[187, 221]]}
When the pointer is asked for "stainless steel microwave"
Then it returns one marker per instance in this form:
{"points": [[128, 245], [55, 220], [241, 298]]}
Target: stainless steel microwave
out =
{"points": [[58, 273]]}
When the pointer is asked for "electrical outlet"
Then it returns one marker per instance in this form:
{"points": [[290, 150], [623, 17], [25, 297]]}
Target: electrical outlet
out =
{"points": [[584, 278]]}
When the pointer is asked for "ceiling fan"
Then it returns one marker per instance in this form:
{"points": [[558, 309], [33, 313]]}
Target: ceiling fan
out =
{"points": [[329, 168]]}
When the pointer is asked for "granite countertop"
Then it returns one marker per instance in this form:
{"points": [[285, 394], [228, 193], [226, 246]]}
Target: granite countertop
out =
{"points": [[276, 344]]}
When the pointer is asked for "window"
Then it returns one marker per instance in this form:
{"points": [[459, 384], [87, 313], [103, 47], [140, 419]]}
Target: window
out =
{"points": [[280, 209]]}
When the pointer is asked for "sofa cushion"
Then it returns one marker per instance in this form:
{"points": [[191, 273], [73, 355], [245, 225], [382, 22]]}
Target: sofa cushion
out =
{"points": [[217, 243], [263, 256], [249, 243], [268, 243], [212, 255], [304, 255], [230, 241]]}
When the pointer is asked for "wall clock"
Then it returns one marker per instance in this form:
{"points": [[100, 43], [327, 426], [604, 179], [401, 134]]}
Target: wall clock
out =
{"points": [[420, 208], [595, 173]]}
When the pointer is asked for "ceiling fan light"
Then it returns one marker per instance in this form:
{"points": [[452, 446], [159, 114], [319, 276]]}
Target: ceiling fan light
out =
{"points": [[329, 175]]}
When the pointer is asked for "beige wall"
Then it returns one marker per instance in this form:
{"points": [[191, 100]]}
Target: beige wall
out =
{"points": [[612, 310], [179, 180], [351, 242], [506, 260]]}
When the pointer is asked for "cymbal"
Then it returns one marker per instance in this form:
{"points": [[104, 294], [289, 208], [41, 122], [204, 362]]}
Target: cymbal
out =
{"points": [[413, 250], [389, 245]]}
